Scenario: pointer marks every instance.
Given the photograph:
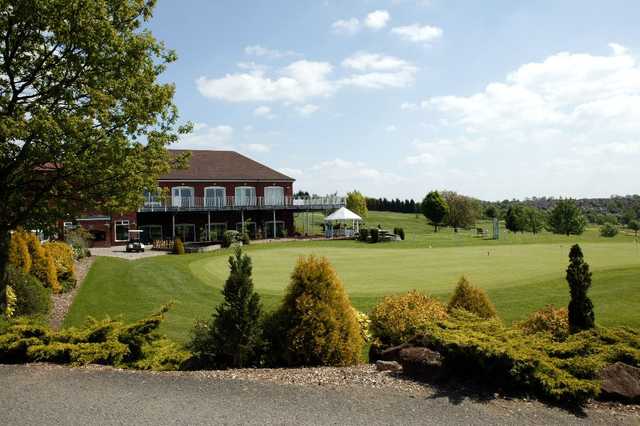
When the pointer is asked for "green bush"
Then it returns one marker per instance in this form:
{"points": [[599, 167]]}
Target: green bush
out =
{"points": [[232, 337], [374, 235], [32, 298], [363, 235], [608, 230], [106, 342], [316, 324], [178, 246], [229, 238], [506, 357], [79, 239], [399, 232], [398, 318], [246, 240], [550, 320], [471, 299]]}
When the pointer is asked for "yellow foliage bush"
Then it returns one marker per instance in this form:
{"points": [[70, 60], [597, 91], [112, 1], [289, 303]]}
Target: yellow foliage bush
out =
{"points": [[316, 323], [547, 320], [472, 299], [43, 266], [62, 256], [400, 317], [19, 251]]}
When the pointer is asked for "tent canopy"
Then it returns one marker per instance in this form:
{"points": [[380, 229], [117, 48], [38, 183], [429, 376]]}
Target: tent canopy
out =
{"points": [[342, 214]]}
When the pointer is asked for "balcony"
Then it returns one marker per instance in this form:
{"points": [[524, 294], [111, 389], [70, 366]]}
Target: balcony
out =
{"points": [[182, 204]]}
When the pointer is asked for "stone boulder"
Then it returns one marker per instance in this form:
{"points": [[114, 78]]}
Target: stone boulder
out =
{"points": [[388, 366], [421, 363], [621, 382], [393, 353]]}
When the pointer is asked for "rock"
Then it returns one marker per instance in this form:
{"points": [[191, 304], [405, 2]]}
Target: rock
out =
{"points": [[387, 366], [620, 381], [421, 362], [393, 353]]}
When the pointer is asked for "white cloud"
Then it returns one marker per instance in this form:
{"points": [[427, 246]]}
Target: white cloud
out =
{"points": [[205, 136], [417, 33], [261, 51], [377, 19], [566, 125], [257, 147], [346, 26], [364, 61], [384, 71], [307, 109], [298, 81], [263, 111]]}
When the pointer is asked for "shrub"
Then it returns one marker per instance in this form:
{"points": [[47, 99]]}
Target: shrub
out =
{"points": [[365, 324], [62, 255], [548, 320], [363, 235], [32, 298], [399, 232], [374, 235], [231, 338], [79, 239], [608, 230], [43, 267], [19, 251], [10, 302], [471, 299], [506, 357], [581, 315], [246, 240], [316, 324], [106, 342], [178, 246], [398, 318], [229, 238]]}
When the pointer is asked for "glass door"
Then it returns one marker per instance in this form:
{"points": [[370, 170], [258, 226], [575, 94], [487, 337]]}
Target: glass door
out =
{"points": [[182, 196]]}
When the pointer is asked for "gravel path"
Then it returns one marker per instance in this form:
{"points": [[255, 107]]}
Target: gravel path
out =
{"points": [[46, 394], [62, 302]]}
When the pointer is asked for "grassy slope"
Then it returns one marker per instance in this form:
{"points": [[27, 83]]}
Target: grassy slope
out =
{"points": [[519, 277]]}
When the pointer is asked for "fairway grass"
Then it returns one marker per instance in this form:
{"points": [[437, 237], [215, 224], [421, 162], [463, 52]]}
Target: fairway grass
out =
{"points": [[518, 277]]}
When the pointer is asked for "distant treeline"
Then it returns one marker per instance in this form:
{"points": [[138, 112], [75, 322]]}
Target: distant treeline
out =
{"points": [[397, 205]]}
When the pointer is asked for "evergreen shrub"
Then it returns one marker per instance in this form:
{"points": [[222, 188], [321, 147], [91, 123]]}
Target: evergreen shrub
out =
{"points": [[374, 235], [178, 246], [363, 235], [62, 255], [472, 299], [32, 298], [551, 320]]}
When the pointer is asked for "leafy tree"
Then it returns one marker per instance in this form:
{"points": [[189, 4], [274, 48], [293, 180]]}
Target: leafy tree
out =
{"points": [[434, 208], [84, 122], [534, 220], [462, 212], [581, 316], [232, 336], [566, 218], [357, 203], [514, 219], [634, 225], [608, 230], [491, 212]]}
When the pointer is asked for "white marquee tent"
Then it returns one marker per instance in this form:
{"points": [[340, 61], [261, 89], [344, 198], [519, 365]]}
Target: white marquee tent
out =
{"points": [[339, 217]]}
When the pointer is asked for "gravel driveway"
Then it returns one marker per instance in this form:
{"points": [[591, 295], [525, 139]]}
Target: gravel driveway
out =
{"points": [[121, 252], [45, 394]]}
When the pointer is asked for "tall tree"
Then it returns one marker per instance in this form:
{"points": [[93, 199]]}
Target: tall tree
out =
{"points": [[84, 122], [434, 208], [534, 220], [634, 225], [514, 219], [231, 338], [357, 203], [581, 316], [566, 218], [463, 211]]}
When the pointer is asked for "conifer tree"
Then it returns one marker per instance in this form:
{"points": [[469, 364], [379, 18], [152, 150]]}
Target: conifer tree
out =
{"points": [[581, 316]]}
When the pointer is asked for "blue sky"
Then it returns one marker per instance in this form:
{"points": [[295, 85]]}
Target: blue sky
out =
{"points": [[494, 99]]}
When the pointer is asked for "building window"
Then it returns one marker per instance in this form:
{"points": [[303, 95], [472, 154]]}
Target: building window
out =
{"points": [[182, 196], [249, 228], [151, 198], [216, 231], [280, 229], [215, 196], [273, 196], [186, 232], [122, 230], [151, 233], [245, 196]]}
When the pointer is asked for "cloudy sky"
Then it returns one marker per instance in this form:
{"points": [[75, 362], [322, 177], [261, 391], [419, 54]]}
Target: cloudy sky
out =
{"points": [[495, 99]]}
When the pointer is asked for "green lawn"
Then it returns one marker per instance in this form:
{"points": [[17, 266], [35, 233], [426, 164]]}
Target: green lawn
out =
{"points": [[518, 277]]}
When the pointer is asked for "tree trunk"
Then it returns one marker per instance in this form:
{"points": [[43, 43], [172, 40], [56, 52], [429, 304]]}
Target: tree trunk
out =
{"points": [[5, 241]]}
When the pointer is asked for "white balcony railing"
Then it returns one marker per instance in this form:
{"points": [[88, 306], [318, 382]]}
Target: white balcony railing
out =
{"points": [[237, 203]]}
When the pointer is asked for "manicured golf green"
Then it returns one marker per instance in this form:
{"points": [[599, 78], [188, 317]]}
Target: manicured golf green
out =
{"points": [[518, 277]]}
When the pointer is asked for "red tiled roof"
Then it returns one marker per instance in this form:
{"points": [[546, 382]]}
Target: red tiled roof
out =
{"points": [[223, 165]]}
